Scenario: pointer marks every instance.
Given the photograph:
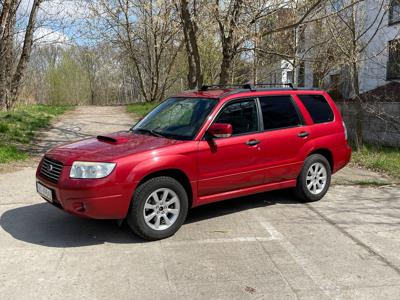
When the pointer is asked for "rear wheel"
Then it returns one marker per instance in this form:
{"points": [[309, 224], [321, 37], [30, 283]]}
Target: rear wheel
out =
{"points": [[158, 209], [314, 179]]}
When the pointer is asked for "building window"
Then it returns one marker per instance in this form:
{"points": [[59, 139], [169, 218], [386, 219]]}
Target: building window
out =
{"points": [[394, 12], [289, 77], [393, 65]]}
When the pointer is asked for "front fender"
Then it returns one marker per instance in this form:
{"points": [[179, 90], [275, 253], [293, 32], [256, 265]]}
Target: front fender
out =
{"points": [[156, 164]]}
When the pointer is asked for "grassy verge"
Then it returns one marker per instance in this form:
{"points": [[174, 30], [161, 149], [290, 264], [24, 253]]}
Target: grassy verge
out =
{"points": [[382, 159], [19, 126], [141, 109], [369, 183]]}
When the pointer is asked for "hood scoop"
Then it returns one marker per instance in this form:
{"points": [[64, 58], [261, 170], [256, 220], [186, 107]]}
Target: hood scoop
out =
{"points": [[113, 139]]}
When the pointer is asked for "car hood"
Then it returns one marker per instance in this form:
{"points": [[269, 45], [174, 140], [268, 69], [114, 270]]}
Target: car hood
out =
{"points": [[108, 147]]}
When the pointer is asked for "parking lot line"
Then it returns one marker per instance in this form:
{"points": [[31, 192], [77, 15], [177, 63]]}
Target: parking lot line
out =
{"points": [[222, 240]]}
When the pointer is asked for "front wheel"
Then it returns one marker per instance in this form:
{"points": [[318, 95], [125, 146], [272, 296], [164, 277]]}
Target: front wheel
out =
{"points": [[158, 209], [314, 179]]}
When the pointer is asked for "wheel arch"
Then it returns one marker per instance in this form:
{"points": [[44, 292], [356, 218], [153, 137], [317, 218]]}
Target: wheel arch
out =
{"points": [[176, 174], [325, 153]]}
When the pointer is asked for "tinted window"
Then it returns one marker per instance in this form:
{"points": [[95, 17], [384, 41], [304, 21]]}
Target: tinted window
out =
{"points": [[241, 115], [318, 108], [279, 112]]}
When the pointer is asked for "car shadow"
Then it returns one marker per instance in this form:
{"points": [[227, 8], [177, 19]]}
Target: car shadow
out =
{"points": [[235, 205], [45, 225]]}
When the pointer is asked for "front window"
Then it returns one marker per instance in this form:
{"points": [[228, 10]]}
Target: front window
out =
{"points": [[242, 115], [176, 118]]}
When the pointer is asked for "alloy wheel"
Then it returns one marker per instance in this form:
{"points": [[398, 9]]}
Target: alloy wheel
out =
{"points": [[316, 178], [161, 209]]}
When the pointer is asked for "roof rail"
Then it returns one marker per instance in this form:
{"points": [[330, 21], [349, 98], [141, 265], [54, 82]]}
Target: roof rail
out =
{"points": [[219, 86], [274, 84], [247, 86]]}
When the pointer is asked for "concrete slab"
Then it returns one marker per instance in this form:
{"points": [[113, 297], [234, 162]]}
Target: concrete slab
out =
{"points": [[265, 246]]}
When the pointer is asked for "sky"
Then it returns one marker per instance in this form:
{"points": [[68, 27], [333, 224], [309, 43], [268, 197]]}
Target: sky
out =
{"points": [[59, 21]]}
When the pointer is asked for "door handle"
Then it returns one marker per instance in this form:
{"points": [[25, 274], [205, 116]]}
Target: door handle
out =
{"points": [[303, 134], [252, 142]]}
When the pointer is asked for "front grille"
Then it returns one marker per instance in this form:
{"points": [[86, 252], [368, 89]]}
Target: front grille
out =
{"points": [[51, 169]]}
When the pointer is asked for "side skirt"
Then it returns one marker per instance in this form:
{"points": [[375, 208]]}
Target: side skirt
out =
{"points": [[245, 191]]}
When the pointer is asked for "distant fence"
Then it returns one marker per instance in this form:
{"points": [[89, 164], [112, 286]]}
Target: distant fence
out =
{"points": [[381, 122]]}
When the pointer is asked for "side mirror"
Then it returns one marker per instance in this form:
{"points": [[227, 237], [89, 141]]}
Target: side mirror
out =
{"points": [[220, 130]]}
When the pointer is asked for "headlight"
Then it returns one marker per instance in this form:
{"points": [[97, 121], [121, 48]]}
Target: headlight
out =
{"points": [[81, 169]]}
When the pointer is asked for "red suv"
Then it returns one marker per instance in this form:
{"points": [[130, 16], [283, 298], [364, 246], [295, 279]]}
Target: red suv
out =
{"points": [[196, 148]]}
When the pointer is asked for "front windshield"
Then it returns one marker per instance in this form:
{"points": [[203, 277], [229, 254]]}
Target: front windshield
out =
{"points": [[176, 118]]}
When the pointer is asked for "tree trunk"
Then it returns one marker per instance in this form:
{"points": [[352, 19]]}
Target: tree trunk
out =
{"points": [[226, 64], [6, 11], [228, 40], [10, 83], [7, 50], [358, 138], [195, 75]]}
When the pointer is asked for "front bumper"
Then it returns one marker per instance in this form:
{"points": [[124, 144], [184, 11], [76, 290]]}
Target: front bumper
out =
{"points": [[104, 198]]}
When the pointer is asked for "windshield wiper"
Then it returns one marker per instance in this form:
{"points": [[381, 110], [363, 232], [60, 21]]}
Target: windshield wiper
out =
{"points": [[151, 131]]}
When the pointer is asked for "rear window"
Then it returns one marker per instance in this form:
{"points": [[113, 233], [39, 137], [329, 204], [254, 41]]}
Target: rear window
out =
{"points": [[279, 112], [318, 108]]}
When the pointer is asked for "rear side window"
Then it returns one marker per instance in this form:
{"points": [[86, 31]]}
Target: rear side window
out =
{"points": [[318, 108], [279, 112]]}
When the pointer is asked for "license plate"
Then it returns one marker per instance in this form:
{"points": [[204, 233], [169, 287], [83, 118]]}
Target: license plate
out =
{"points": [[44, 191]]}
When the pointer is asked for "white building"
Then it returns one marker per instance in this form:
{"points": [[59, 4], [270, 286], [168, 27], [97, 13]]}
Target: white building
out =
{"points": [[380, 61], [280, 72]]}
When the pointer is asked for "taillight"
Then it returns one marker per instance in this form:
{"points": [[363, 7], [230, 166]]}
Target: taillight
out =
{"points": [[345, 130]]}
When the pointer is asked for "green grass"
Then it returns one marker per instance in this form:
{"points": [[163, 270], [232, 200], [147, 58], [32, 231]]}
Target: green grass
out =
{"points": [[369, 182], [10, 153], [140, 109], [381, 159], [20, 125]]}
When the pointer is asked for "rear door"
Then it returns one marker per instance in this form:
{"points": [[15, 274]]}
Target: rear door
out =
{"points": [[283, 139]]}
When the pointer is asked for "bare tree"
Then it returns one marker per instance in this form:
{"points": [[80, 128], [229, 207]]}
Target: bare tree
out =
{"points": [[147, 33], [13, 68], [238, 22], [189, 27], [228, 25]]}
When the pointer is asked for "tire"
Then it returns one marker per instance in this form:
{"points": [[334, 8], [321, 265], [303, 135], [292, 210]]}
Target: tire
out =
{"points": [[309, 186], [173, 208]]}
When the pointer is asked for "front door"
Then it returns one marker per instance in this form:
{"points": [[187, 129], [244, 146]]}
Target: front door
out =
{"points": [[227, 164]]}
